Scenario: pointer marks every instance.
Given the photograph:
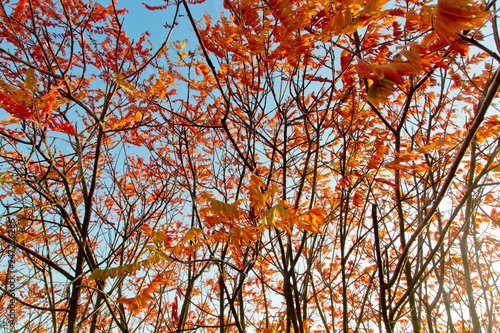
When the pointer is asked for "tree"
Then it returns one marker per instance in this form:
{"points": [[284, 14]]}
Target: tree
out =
{"points": [[298, 166]]}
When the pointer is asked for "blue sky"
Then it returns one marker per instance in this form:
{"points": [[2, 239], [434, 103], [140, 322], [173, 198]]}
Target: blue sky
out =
{"points": [[139, 19]]}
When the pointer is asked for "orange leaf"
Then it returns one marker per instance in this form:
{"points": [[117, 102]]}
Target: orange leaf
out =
{"points": [[345, 59], [453, 16], [137, 303]]}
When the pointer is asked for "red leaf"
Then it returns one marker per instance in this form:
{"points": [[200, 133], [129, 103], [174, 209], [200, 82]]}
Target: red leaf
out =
{"points": [[175, 307], [357, 200], [386, 182], [16, 108], [58, 124], [154, 7], [364, 69]]}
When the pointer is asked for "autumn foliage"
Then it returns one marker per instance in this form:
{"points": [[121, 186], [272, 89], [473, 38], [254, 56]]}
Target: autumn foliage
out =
{"points": [[293, 166]]}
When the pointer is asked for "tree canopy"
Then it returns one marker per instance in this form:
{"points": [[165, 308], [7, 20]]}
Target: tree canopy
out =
{"points": [[292, 166]]}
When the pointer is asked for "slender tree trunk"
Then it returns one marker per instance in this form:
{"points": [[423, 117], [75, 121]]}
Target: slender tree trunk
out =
{"points": [[221, 299], [464, 247], [75, 293], [95, 316]]}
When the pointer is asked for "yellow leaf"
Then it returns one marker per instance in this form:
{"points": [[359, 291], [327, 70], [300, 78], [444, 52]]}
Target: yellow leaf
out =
{"points": [[81, 95], [342, 19], [97, 273], [270, 218], [21, 237], [4, 178], [159, 237], [223, 209], [380, 91], [19, 189], [183, 44], [413, 57], [176, 250], [127, 87], [30, 81], [192, 234], [242, 236], [112, 273]]}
